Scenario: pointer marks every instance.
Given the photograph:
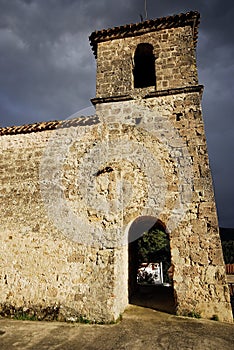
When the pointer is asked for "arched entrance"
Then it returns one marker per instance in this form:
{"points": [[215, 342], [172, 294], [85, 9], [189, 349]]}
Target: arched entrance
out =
{"points": [[150, 271]]}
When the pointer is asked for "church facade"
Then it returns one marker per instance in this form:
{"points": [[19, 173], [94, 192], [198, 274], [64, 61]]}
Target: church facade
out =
{"points": [[76, 194]]}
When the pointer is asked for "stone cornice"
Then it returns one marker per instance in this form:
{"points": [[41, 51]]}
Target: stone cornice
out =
{"points": [[167, 92]]}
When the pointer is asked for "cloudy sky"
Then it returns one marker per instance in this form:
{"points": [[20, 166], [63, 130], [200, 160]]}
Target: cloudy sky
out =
{"points": [[47, 69]]}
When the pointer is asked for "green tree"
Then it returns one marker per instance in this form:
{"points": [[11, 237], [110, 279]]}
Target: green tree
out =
{"points": [[228, 251], [154, 246]]}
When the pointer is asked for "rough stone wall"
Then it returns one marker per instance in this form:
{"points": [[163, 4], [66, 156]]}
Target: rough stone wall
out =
{"points": [[41, 266], [175, 63], [69, 196], [183, 200]]}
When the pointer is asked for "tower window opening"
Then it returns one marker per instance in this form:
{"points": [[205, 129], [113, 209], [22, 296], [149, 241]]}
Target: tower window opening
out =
{"points": [[144, 66]]}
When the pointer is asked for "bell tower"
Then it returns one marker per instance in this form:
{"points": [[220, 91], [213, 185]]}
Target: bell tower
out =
{"points": [[147, 93], [155, 56]]}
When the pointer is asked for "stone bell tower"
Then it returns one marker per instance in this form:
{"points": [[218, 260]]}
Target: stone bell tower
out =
{"points": [[147, 93]]}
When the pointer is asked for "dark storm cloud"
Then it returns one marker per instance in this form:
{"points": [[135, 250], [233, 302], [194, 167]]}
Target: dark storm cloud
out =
{"points": [[47, 69]]}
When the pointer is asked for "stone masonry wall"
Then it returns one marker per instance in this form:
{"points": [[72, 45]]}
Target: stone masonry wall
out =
{"points": [[41, 266], [175, 63], [176, 185], [179, 192], [68, 197]]}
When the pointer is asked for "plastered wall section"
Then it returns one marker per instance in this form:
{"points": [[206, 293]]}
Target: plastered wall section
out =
{"points": [[175, 63]]}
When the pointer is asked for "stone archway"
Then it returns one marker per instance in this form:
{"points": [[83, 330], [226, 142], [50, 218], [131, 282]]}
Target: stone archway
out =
{"points": [[156, 295]]}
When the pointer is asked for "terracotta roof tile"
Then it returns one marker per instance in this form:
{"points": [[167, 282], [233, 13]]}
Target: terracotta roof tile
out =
{"points": [[51, 125], [183, 19]]}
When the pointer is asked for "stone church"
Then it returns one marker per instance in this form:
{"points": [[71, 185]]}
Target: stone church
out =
{"points": [[77, 194]]}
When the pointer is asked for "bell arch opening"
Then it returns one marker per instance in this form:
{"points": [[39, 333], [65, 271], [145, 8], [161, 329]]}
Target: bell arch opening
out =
{"points": [[150, 270], [144, 66]]}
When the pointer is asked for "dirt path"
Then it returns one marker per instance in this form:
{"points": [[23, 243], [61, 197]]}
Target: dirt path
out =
{"points": [[141, 328]]}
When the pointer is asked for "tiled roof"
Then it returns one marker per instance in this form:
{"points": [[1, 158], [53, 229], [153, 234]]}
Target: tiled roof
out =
{"points": [[183, 19], [51, 125]]}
